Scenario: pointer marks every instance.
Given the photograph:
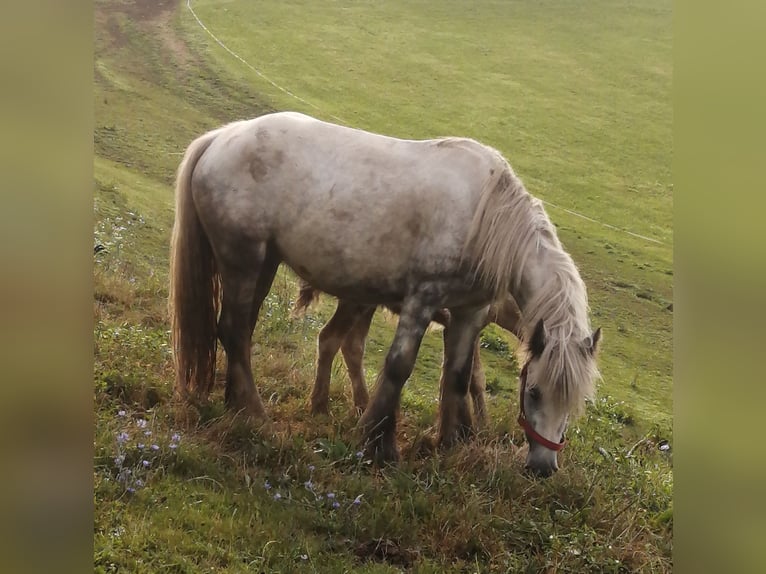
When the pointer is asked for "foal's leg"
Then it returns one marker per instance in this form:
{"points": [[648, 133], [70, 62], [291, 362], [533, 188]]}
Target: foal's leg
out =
{"points": [[507, 315], [353, 353], [378, 423], [329, 341], [455, 421], [235, 329], [477, 387]]}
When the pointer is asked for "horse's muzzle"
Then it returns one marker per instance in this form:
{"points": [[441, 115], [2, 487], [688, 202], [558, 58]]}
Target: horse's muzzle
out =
{"points": [[541, 468]]}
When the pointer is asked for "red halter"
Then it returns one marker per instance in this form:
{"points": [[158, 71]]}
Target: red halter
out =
{"points": [[525, 424]]}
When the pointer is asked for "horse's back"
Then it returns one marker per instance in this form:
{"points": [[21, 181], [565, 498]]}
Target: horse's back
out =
{"points": [[302, 142]]}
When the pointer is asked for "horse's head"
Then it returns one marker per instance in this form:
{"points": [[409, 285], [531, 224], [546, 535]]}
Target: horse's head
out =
{"points": [[555, 379]]}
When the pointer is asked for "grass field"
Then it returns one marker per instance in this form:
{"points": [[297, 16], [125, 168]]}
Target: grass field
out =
{"points": [[577, 96]]}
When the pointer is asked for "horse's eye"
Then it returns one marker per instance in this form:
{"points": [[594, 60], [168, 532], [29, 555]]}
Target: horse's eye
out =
{"points": [[534, 394]]}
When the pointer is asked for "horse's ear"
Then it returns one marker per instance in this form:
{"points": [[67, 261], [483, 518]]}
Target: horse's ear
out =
{"points": [[591, 343], [537, 342]]}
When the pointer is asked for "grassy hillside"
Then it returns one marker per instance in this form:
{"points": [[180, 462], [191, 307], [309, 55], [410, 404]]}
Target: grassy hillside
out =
{"points": [[577, 97]]}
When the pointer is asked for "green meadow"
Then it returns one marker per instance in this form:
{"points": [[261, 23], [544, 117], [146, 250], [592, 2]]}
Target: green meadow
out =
{"points": [[577, 97]]}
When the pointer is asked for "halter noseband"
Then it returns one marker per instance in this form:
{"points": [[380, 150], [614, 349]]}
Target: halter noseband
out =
{"points": [[526, 425]]}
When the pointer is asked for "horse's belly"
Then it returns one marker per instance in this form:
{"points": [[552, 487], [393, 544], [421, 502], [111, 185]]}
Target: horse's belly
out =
{"points": [[352, 271]]}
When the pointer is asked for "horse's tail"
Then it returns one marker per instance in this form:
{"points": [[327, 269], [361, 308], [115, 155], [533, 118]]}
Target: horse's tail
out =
{"points": [[195, 286], [306, 296]]}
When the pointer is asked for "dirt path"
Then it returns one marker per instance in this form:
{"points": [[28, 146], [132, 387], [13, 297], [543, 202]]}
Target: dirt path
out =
{"points": [[154, 16]]}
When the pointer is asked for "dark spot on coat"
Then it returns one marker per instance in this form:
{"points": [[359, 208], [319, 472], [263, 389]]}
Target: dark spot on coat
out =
{"points": [[341, 215], [263, 162], [258, 168], [413, 226]]}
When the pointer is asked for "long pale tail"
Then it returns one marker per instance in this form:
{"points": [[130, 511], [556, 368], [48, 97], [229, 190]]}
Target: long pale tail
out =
{"points": [[195, 286]]}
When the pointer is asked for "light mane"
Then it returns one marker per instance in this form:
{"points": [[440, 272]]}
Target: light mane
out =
{"points": [[504, 231], [566, 369], [509, 230]]}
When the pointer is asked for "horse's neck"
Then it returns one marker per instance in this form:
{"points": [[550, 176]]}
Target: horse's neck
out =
{"points": [[542, 273], [532, 279]]}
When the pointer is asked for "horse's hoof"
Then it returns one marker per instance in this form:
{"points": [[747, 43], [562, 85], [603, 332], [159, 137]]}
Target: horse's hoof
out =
{"points": [[457, 435], [383, 454], [321, 409], [381, 449]]}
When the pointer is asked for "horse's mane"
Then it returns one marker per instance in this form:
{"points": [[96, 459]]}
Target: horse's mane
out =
{"points": [[504, 230], [567, 368], [508, 227]]}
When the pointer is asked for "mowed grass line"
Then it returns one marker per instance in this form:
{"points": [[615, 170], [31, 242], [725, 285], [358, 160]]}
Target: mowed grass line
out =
{"points": [[576, 96], [207, 499]]}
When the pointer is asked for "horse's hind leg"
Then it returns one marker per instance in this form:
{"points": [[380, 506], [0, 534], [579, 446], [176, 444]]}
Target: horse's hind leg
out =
{"points": [[235, 329], [328, 343], [455, 421], [353, 353]]}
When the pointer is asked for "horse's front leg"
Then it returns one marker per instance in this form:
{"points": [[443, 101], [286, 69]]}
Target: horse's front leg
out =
{"points": [[478, 388], [455, 420], [378, 424]]}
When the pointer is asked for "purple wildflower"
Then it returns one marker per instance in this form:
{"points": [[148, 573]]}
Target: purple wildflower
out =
{"points": [[336, 504], [330, 495], [308, 484], [359, 454], [140, 446], [123, 437], [176, 437], [146, 463], [118, 460], [131, 490], [121, 413], [267, 485], [141, 423], [277, 496], [148, 433], [311, 468], [358, 500], [173, 445], [155, 447], [139, 483]]}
